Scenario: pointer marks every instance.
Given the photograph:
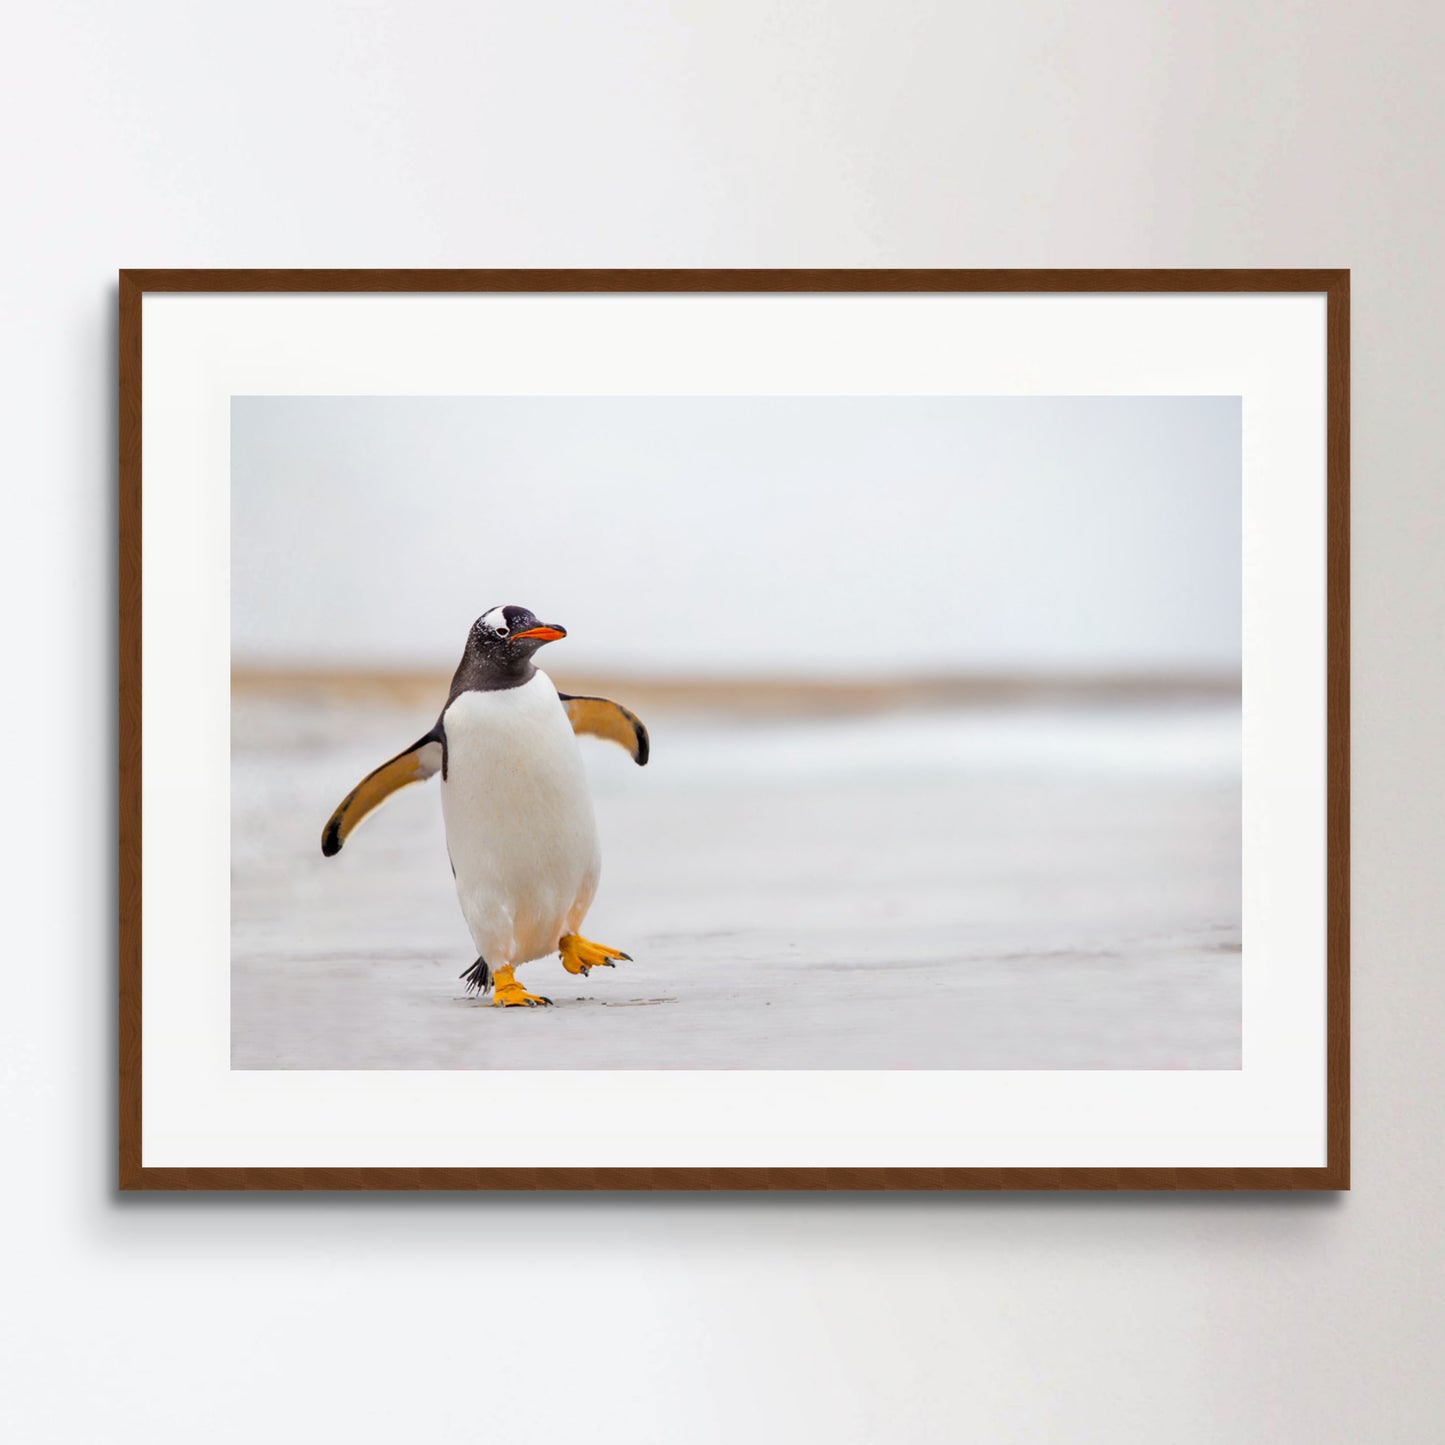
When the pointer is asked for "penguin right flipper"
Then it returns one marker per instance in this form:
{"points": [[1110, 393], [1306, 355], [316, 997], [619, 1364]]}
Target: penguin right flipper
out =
{"points": [[415, 765], [604, 718]]}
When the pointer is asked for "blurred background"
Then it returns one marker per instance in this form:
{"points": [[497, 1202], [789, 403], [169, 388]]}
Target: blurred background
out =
{"points": [[944, 702], [827, 537]]}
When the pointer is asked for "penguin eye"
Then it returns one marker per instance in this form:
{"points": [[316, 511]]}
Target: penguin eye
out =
{"points": [[502, 630]]}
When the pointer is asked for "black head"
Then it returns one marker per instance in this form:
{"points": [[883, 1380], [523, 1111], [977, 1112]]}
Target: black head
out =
{"points": [[504, 639]]}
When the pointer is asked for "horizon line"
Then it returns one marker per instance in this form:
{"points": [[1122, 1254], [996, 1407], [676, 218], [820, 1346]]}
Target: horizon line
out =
{"points": [[771, 693]]}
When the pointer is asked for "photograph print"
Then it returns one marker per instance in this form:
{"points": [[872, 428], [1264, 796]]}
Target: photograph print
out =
{"points": [[636, 733]]}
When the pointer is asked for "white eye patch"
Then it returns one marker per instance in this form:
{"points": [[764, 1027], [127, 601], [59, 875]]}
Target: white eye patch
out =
{"points": [[496, 621]]}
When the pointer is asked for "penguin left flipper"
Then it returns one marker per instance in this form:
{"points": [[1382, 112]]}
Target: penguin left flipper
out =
{"points": [[610, 720], [415, 765]]}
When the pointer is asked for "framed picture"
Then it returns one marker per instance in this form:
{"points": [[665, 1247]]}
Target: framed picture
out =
{"points": [[950, 669]]}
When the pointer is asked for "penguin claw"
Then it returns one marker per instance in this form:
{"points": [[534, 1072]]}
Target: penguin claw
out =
{"points": [[508, 993], [581, 955]]}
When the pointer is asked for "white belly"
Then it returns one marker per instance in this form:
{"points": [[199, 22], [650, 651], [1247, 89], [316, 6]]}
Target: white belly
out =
{"points": [[519, 820]]}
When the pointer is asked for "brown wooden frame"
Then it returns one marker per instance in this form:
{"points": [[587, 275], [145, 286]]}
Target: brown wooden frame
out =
{"points": [[1334, 1174]]}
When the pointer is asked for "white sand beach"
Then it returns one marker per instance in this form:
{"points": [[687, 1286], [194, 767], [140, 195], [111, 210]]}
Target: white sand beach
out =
{"points": [[1000, 888]]}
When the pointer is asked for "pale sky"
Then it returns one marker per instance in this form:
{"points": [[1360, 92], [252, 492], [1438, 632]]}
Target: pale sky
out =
{"points": [[752, 535]]}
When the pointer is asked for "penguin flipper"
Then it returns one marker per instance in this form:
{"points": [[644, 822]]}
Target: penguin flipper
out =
{"points": [[610, 720], [415, 765]]}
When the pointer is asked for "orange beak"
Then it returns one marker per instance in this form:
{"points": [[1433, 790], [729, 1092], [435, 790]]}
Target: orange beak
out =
{"points": [[543, 633]]}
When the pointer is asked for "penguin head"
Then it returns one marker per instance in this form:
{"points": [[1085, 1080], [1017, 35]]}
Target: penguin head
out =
{"points": [[506, 637]]}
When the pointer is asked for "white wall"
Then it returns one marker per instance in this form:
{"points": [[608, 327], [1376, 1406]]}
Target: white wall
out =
{"points": [[749, 134]]}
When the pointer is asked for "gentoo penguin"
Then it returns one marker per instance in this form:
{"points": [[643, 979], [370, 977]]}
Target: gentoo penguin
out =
{"points": [[519, 822]]}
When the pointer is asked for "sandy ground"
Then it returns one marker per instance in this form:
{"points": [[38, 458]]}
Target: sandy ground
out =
{"points": [[1010, 889]]}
